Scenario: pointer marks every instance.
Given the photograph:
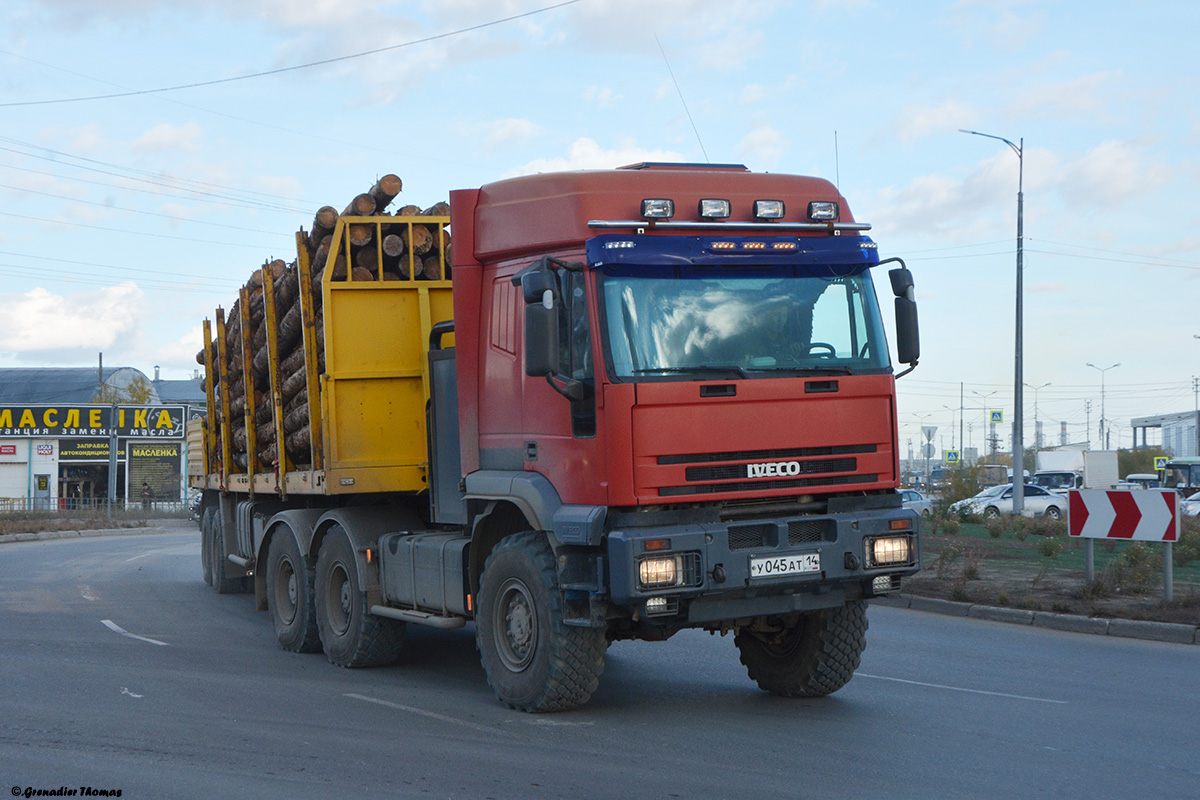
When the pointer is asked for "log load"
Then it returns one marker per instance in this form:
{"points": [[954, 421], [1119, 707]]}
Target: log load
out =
{"points": [[402, 251]]}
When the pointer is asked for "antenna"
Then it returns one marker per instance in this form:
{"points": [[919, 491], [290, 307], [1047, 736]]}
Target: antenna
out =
{"points": [[681, 100], [837, 167]]}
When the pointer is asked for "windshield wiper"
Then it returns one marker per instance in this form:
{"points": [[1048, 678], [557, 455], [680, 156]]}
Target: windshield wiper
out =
{"points": [[724, 370]]}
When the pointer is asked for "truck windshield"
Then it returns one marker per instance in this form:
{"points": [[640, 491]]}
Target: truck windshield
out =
{"points": [[739, 322]]}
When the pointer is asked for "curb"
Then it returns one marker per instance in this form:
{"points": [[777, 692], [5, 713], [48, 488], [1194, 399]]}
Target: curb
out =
{"points": [[46, 536], [1131, 629]]}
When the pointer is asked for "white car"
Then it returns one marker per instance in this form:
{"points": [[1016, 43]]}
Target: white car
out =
{"points": [[997, 500], [1190, 506], [917, 502]]}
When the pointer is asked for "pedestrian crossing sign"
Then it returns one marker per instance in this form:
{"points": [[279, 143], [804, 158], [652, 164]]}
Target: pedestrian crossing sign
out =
{"points": [[997, 417], [951, 456]]}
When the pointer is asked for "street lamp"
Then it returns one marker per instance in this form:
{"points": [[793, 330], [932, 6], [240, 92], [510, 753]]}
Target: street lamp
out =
{"points": [[1037, 435], [1103, 421], [987, 435], [1018, 435]]}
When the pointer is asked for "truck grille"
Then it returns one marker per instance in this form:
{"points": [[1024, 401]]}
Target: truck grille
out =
{"points": [[759, 485], [768, 455], [733, 471], [750, 537]]}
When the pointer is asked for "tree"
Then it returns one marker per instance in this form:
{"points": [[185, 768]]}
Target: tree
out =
{"points": [[137, 392], [1140, 459]]}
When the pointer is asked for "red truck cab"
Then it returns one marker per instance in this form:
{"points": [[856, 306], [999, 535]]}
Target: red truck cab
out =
{"points": [[680, 372]]}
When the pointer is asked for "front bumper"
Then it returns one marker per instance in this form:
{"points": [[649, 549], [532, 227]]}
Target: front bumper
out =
{"points": [[730, 570]]}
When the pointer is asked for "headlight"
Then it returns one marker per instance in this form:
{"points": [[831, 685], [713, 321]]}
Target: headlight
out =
{"points": [[655, 573], [888, 551]]}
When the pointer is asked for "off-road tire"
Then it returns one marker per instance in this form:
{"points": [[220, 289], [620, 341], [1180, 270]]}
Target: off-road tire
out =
{"points": [[814, 657], [533, 661], [350, 635], [206, 549], [290, 595]]}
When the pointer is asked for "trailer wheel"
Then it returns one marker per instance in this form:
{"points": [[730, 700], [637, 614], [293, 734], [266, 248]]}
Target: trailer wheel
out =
{"points": [[221, 582], [206, 549], [813, 657], [533, 661], [350, 635], [290, 595]]}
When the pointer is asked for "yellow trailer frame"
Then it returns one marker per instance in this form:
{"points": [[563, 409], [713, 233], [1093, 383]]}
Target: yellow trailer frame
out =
{"points": [[368, 430]]}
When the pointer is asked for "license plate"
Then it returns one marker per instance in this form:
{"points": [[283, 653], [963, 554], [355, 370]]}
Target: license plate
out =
{"points": [[785, 565]]}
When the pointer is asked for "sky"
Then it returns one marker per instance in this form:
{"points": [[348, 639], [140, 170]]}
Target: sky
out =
{"points": [[153, 154]]}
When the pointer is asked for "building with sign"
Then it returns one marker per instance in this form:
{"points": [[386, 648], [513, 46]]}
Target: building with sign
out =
{"points": [[67, 435], [1180, 432]]}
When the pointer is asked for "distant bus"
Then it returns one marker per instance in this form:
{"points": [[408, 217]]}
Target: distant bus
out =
{"points": [[1182, 474]]}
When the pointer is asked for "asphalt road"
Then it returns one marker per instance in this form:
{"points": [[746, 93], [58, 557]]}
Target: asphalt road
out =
{"points": [[120, 669]]}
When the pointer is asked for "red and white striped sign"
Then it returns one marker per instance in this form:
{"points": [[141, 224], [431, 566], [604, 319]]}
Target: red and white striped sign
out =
{"points": [[1147, 515]]}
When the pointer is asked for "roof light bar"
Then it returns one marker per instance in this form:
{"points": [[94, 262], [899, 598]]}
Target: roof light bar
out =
{"points": [[823, 210], [768, 209], [658, 208], [714, 208]]}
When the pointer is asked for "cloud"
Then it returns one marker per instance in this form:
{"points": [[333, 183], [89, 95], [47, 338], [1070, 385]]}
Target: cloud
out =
{"points": [[1111, 174], [166, 137], [764, 145], [603, 97], [752, 93], [586, 153], [509, 130], [40, 320], [1087, 95], [914, 122]]}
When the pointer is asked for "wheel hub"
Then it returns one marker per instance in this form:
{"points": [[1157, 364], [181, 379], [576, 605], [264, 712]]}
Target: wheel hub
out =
{"points": [[516, 626]]}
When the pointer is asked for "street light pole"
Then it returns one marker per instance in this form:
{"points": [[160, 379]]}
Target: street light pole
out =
{"points": [[1037, 439], [987, 437], [1018, 435], [1103, 419]]}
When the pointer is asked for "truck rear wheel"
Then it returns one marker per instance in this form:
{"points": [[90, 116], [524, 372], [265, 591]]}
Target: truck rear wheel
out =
{"points": [[349, 633], [812, 657], [533, 661], [290, 595]]}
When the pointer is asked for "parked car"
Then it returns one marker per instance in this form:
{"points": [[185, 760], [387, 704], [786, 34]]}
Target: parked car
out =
{"points": [[997, 500], [917, 502], [1190, 506]]}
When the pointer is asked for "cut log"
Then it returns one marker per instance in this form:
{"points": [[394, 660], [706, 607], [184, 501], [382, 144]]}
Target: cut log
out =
{"points": [[361, 206], [384, 191], [393, 247], [323, 223], [360, 234], [418, 239], [408, 211], [437, 210]]}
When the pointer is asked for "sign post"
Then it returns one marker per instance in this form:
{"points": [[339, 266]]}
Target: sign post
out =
{"points": [[1149, 515]]}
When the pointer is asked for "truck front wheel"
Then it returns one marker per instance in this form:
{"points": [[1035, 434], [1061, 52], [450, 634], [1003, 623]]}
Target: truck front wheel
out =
{"points": [[533, 661], [814, 656], [350, 634], [290, 595]]}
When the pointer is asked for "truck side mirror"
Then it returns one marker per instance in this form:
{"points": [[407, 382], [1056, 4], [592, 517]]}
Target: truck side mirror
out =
{"points": [[908, 338], [541, 337]]}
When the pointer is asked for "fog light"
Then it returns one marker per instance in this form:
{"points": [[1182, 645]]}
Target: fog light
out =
{"points": [[882, 584], [713, 208], [889, 550], [654, 573], [656, 604]]}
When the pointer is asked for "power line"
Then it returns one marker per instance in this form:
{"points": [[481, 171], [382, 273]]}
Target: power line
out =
{"points": [[295, 67]]}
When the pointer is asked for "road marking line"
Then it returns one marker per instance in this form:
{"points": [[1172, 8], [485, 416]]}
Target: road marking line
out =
{"points": [[131, 694], [86, 593], [115, 628], [183, 548], [430, 714], [962, 689]]}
